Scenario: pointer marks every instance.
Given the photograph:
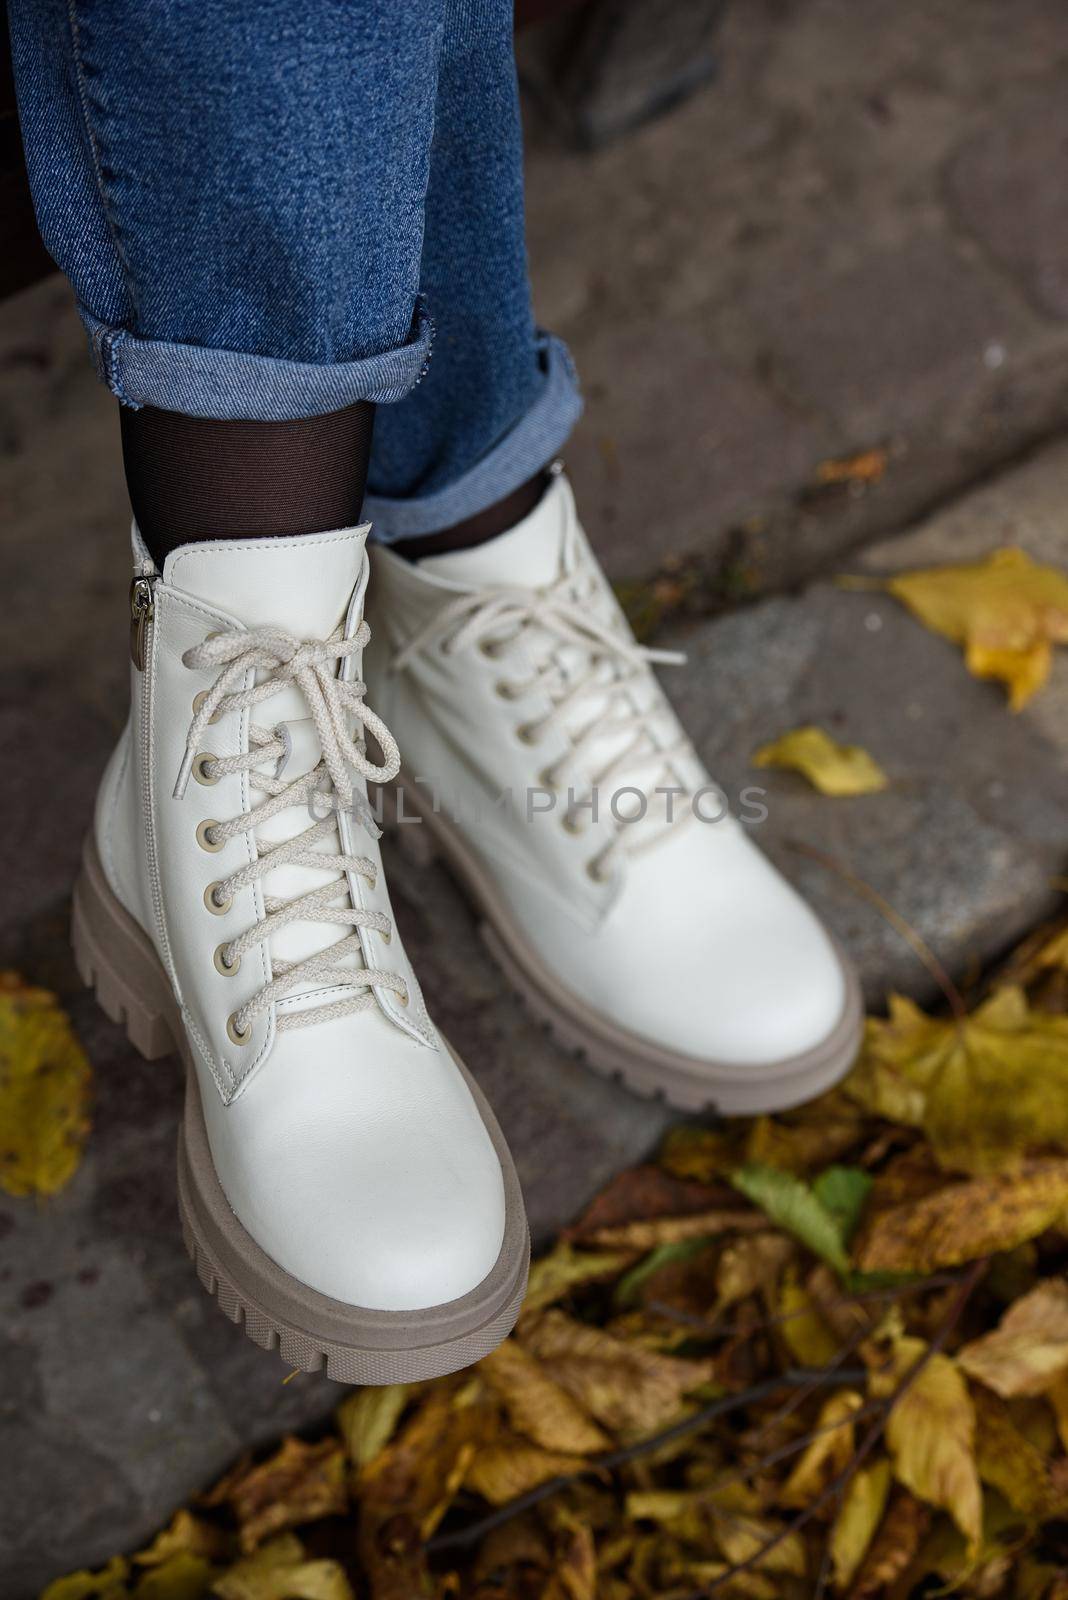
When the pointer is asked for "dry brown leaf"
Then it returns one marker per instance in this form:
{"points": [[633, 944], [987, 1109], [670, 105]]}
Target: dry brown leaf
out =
{"points": [[297, 1484], [832, 768], [627, 1388], [930, 1433], [1028, 1351], [575, 1572], [827, 1453], [1006, 611], [1008, 1461], [44, 1091], [510, 1466], [858, 1519], [751, 1266], [641, 1236], [538, 1407], [894, 1546], [966, 1220], [985, 1091], [813, 1138]]}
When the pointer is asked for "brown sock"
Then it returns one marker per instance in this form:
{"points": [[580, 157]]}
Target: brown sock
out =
{"points": [[480, 528], [192, 478]]}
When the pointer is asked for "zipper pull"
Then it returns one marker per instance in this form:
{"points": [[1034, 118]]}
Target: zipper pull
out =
{"points": [[140, 617]]}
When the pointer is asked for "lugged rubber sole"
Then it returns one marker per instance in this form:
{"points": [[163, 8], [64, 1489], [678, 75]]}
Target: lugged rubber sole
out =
{"points": [[311, 1331], [686, 1083]]}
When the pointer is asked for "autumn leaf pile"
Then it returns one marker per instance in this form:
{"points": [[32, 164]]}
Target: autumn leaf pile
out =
{"points": [[819, 1353]]}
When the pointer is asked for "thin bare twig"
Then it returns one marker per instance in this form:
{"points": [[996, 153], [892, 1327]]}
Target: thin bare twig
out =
{"points": [[699, 1324], [842, 1480], [612, 1460]]}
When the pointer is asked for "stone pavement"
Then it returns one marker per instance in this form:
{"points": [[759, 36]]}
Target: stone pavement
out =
{"points": [[855, 239]]}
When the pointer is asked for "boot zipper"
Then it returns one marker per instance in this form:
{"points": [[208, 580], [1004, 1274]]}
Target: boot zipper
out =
{"points": [[141, 608]]}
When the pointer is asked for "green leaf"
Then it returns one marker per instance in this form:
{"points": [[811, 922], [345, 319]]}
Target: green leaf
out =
{"points": [[792, 1205], [627, 1289], [844, 1192]]}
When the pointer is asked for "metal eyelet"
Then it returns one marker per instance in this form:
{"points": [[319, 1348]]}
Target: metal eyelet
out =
{"points": [[201, 762], [234, 1033], [595, 871], [571, 824], [218, 908], [526, 734], [227, 968], [547, 779], [198, 700], [386, 936], [489, 648], [203, 830], [504, 690]]}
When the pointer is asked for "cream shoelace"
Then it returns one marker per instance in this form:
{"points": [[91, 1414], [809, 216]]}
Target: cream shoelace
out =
{"points": [[280, 659], [610, 666]]}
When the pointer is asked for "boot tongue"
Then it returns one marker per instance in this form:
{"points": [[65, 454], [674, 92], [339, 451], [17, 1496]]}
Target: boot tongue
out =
{"points": [[301, 584], [528, 556]]}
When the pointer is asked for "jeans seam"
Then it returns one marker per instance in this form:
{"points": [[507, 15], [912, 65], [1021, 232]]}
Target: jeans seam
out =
{"points": [[111, 377]]}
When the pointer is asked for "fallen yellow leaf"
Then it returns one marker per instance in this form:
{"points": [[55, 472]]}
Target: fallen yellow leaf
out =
{"points": [[1028, 1350], [858, 1518], [538, 1407], [109, 1583], [510, 1467], [930, 1434], [44, 1091], [832, 768], [185, 1534], [626, 1387], [966, 1220], [806, 1334], [182, 1576], [1006, 611], [829, 1451], [281, 1571], [985, 1089], [368, 1418]]}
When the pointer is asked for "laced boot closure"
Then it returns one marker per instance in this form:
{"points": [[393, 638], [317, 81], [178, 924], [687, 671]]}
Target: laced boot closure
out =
{"points": [[614, 879], [564, 652], [274, 660]]}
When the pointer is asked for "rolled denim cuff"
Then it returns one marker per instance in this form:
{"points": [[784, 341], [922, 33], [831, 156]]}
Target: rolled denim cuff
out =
{"points": [[231, 384], [527, 447]]}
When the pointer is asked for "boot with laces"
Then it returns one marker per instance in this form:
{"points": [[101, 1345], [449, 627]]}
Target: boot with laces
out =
{"points": [[344, 1188], [636, 918]]}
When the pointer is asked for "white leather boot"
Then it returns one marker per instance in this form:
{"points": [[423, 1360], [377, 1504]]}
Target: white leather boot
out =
{"points": [[344, 1188], [665, 948]]}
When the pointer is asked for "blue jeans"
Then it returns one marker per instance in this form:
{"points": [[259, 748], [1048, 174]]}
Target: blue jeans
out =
{"points": [[274, 208]]}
